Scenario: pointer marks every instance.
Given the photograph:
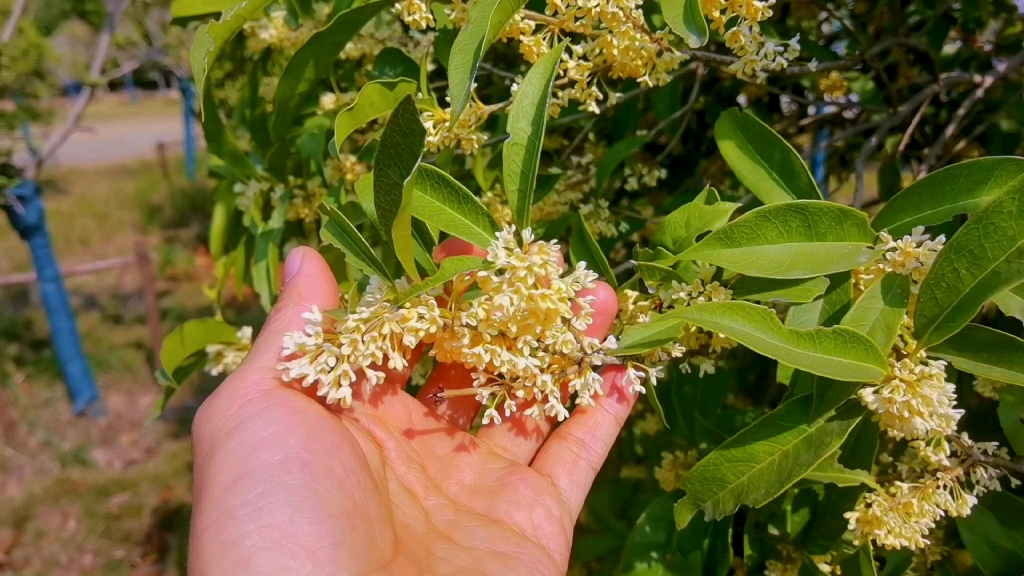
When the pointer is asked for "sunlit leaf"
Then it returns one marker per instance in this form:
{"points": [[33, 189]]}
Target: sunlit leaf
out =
{"points": [[486, 20], [985, 352], [679, 230], [527, 121], [439, 200], [686, 18], [984, 258], [314, 61], [762, 160], [790, 240], [210, 39], [401, 146], [375, 99], [879, 311], [763, 460], [962, 188], [838, 352]]}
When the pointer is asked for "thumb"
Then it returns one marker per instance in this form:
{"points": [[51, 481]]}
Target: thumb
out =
{"points": [[308, 282]]}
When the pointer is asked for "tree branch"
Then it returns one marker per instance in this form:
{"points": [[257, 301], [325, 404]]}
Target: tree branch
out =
{"points": [[115, 8], [12, 21]]}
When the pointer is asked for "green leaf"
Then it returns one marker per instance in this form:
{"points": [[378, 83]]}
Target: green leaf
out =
{"points": [[613, 157], [266, 266], [651, 536], [963, 188], [994, 534], [446, 271], [1011, 302], [686, 19], [654, 274], [193, 8], [831, 472], [222, 143], [984, 351], [879, 312], [584, 248], [679, 230], [486, 20], [984, 258], [763, 460], [1011, 416], [784, 290], [391, 63], [762, 160], [527, 120], [790, 240], [838, 352], [190, 339], [375, 99], [338, 231], [210, 39], [862, 563], [314, 61], [447, 205], [401, 146]]}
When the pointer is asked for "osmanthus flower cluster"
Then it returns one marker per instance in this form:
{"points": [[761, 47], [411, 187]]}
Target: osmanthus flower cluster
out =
{"points": [[940, 473], [225, 358], [696, 347], [572, 193], [739, 21], [521, 330]]}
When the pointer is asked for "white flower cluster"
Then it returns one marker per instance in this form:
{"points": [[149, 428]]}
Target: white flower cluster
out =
{"points": [[464, 135], [225, 358], [939, 478], [914, 401], [698, 347], [912, 255], [522, 335], [332, 352], [758, 55]]}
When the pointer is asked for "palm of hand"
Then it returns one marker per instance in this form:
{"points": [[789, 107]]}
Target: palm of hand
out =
{"points": [[284, 486]]}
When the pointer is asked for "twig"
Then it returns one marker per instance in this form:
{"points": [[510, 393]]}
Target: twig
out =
{"points": [[114, 10], [992, 119], [12, 21], [951, 129], [913, 126], [694, 92], [579, 138], [497, 71]]}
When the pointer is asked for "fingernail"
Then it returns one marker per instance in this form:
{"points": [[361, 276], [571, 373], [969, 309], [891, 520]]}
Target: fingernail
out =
{"points": [[292, 264]]}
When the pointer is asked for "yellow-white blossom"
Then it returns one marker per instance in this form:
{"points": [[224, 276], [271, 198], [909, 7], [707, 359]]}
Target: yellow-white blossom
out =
{"points": [[988, 387], [225, 358], [522, 335], [332, 353], [674, 468], [914, 400], [464, 135]]}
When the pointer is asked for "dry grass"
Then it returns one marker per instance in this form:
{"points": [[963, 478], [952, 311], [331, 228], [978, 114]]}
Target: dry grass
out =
{"points": [[108, 496]]}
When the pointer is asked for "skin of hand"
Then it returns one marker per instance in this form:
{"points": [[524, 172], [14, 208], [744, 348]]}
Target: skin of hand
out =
{"points": [[284, 485]]}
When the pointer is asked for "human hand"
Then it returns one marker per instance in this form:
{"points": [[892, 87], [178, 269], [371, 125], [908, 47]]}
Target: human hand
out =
{"points": [[395, 484]]}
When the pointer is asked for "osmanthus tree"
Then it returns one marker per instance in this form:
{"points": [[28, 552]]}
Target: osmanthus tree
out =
{"points": [[827, 390]]}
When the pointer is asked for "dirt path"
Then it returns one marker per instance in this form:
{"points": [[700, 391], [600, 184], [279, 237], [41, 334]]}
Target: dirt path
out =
{"points": [[117, 141]]}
